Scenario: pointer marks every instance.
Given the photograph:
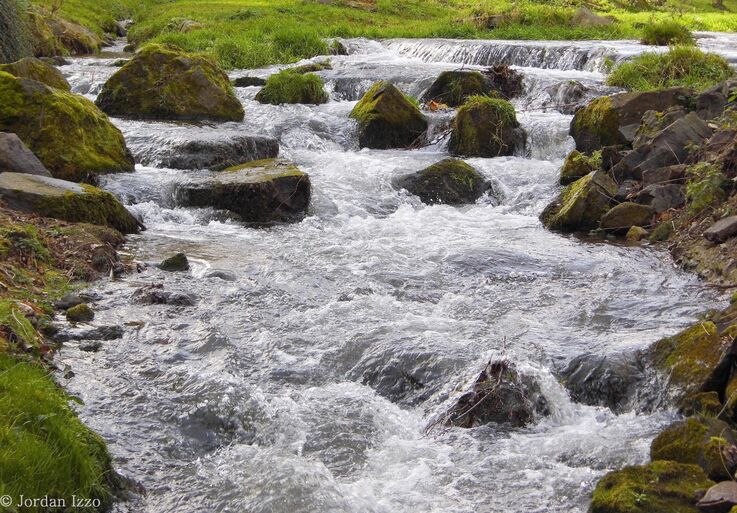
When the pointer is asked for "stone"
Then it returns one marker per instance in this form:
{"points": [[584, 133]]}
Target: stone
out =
{"points": [[222, 275], [612, 155], [336, 47], [183, 25], [156, 295], [162, 82], [720, 498], [387, 119], [577, 165], [722, 230], [176, 263], [68, 134], [312, 67], [261, 191], [80, 313], [668, 174], [15, 157], [581, 205], [249, 82], [453, 88], [67, 201], [449, 181], [38, 70], [662, 197], [500, 395], [636, 234], [290, 87], [711, 103], [626, 215], [701, 403], [77, 39], [627, 190], [485, 127], [720, 150], [653, 122], [14, 41]]}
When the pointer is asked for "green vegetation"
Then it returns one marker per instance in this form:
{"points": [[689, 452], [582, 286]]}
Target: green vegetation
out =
{"points": [[484, 127], [577, 165], [666, 33], [289, 86], [705, 187], [683, 66]]}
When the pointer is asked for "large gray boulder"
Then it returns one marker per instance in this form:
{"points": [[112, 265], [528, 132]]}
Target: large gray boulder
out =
{"points": [[712, 102], [662, 197], [15, 157], [449, 181]]}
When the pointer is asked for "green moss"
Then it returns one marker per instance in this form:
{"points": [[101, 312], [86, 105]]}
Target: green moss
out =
{"points": [[15, 328], [80, 313], [662, 232], [577, 165], [271, 166], [45, 451], [38, 70], [666, 33], [65, 131], [312, 67], [289, 86], [581, 204], [597, 124], [705, 187], [450, 181], [453, 88], [175, 263], [22, 241], [701, 403], [484, 127], [659, 487]]}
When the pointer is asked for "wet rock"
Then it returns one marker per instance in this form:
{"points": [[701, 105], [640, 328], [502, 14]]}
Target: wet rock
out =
{"points": [[249, 82], [162, 82], [450, 181], [581, 205], [91, 346], [336, 47], [290, 87], [64, 200], [669, 174], [56, 60], [577, 165], [702, 403], [176, 263], [67, 133], [104, 333], [659, 487], [80, 313], [505, 80], [663, 197], [261, 191], [387, 119], [604, 380], [312, 67], [636, 234], [706, 442], [614, 120], [568, 96], [156, 295], [15, 157], [720, 498], [223, 275], [711, 103], [485, 127], [500, 395], [68, 301], [627, 190], [38, 70], [722, 230], [453, 88], [653, 122]]}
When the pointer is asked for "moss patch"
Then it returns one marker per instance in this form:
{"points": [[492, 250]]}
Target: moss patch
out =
{"points": [[596, 125], [577, 165], [453, 88], [450, 181], [484, 127], [290, 86], [581, 204], [36, 69], [666, 33], [80, 313]]}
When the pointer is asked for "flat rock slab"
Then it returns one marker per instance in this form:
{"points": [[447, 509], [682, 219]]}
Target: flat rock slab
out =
{"points": [[722, 229], [15, 157], [262, 191]]}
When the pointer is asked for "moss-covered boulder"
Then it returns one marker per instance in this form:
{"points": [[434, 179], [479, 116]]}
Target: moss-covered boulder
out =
{"points": [[701, 403], [38, 70], [67, 133], [659, 487], [450, 181], [577, 165], [453, 88], [581, 205], [626, 215], [162, 82], [80, 313], [289, 86], [387, 118], [52, 35], [64, 200], [14, 41], [485, 127], [175, 263]]}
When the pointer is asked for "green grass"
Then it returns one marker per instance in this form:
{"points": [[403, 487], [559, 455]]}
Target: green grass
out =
{"points": [[45, 451], [290, 87], [681, 66], [666, 33]]}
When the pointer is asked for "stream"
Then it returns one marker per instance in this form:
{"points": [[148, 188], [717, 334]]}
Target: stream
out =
{"points": [[304, 378]]}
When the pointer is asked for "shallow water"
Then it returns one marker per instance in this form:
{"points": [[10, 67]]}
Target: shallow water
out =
{"points": [[306, 381]]}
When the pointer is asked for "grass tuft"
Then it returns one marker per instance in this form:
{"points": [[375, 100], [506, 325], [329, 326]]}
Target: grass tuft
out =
{"points": [[666, 33]]}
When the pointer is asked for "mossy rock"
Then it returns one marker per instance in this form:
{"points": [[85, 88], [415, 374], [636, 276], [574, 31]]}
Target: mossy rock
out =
{"points": [[730, 398], [701, 441], [387, 118], [449, 181], [485, 127], [292, 87], [701, 403], [67, 133], [636, 234], [176, 263], [453, 88], [581, 205], [14, 38], [162, 82], [80, 313], [626, 215], [659, 487], [312, 67], [38, 70], [577, 165], [64, 200], [75, 38], [662, 232]]}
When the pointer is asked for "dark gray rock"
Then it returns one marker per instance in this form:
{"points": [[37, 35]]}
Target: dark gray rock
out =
{"points": [[156, 295], [568, 96], [662, 197], [711, 103], [653, 122], [249, 81], [669, 174], [223, 275], [175, 263], [91, 346], [627, 190], [612, 155], [449, 181], [626, 215], [15, 157], [722, 230], [217, 154]]}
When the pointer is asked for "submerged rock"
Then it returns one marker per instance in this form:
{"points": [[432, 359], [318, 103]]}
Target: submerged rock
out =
{"points": [[626, 215], [500, 395], [261, 191], [289, 87], [453, 88], [387, 119], [581, 204], [37, 70], [450, 181], [485, 127], [67, 133], [15, 157], [567, 96], [175, 263], [161, 82], [312, 67], [67, 201]]}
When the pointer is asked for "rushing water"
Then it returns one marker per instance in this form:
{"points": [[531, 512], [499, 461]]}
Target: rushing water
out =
{"points": [[304, 378]]}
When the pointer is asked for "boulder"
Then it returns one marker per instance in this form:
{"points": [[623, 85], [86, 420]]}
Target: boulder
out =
{"points": [[626, 215], [500, 395], [711, 103], [80, 313], [627, 190], [668, 174], [614, 120], [636, 234], [249, 82], [453, 88], [706, 442], [604, 380], [581, 205], [653, 122], [662, 197], [659, 487], [156, 295], [668, 147], [702, 403], [577, 165], [15, 157], [68, 134], [722, 230], [485, 127], [161, 82], [14, 41], [176, 263], [77, 39], [612, 155], [387, 119], [37, 70], [50, 197], [505, 80], [450, 181], [261, 191], [720, 498], [720, 150], [183, 25], [291, 87]]}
